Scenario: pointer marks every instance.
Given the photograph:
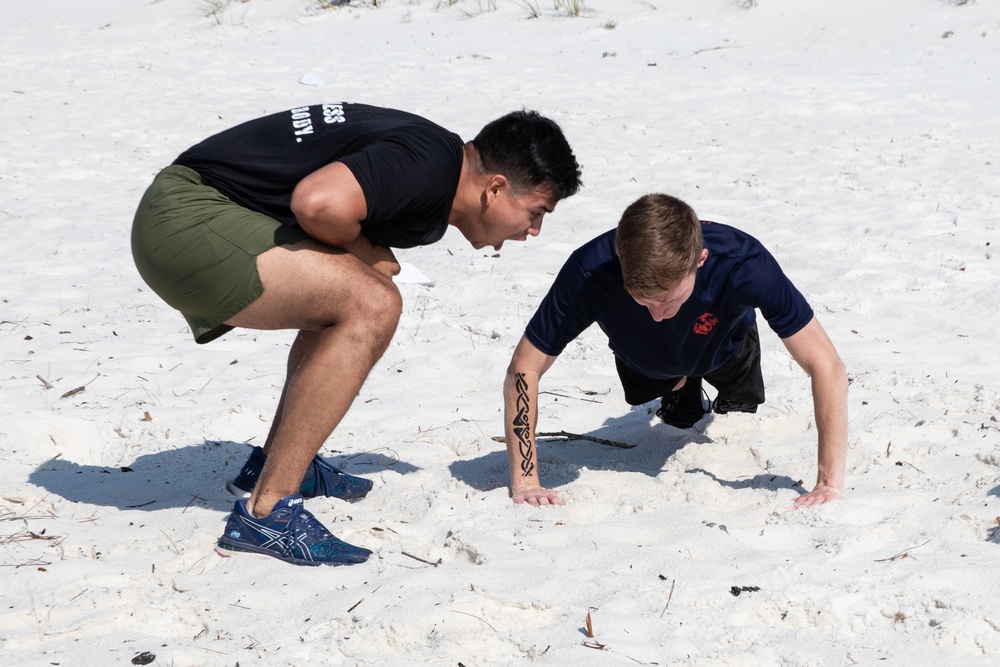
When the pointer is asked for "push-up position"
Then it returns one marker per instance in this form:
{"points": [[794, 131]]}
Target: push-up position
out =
{"points": [[676, 297]]}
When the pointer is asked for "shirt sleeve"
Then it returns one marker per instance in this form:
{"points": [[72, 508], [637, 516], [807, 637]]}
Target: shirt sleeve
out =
{"points": [[565, 312], [763, 285], [404, 176]]}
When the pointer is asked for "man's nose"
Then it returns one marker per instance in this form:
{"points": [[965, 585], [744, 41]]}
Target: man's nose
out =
{"points": [[661, 312]]}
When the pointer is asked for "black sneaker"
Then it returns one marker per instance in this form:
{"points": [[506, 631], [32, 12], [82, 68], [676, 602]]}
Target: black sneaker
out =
{"points": [[684, 407], [724, 407]]}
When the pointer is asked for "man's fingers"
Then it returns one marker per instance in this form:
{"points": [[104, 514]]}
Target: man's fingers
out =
{"points": [[540, 498], [810, 499]]}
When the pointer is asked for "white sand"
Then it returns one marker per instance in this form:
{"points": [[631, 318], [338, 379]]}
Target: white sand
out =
{"points": [[859, 140]]}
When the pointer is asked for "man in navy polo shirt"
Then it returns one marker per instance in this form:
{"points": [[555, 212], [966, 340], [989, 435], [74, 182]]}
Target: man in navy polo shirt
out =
{"points": [[676, 297]]}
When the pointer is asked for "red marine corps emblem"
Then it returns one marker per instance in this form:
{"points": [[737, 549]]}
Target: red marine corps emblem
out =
{"points": [[705, 324]]}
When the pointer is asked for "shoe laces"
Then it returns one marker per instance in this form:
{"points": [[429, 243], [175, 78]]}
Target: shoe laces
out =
{"points": [[303, 523]]}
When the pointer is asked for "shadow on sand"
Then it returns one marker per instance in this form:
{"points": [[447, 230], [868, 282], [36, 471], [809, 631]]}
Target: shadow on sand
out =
{"points": [[561, 459], [194, 474]]}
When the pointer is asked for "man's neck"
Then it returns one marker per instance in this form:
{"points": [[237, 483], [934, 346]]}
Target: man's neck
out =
{"points": [[467, 203]]}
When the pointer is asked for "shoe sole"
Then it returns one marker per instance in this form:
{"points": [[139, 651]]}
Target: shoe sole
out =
{"points": [[236, 491], [227, 549]]}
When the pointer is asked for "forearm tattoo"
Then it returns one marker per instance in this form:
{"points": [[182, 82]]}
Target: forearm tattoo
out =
{"points": [[522, 425]]}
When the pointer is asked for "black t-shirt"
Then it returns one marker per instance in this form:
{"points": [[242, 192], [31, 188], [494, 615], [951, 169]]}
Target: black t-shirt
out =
{"points": [[407, 166]]}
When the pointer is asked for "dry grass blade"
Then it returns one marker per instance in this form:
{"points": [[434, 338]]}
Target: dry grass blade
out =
{"points": [[34, 562], [902, 554], [24, 536], [590, 635], [669, 598], [172, 544], [481, 620]]}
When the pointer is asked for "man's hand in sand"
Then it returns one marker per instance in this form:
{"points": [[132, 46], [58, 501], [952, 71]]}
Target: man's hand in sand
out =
{"points": [[536, 496], [823, 493]]}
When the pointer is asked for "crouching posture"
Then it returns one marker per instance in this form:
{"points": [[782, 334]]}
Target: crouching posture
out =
{"points": [[287, 222]]}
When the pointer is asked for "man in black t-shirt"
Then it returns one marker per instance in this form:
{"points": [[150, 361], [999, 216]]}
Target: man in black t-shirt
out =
{"points": [[287, 222]]}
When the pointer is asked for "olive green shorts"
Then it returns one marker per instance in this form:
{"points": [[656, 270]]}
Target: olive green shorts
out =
{"points": [[197, 249]]}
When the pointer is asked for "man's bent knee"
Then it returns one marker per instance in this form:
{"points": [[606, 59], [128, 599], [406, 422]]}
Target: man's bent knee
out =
{"points": [[381, 310]]}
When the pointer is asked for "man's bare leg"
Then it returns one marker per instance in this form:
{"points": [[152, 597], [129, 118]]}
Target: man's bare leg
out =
{"points": [[346, 313], [294, 359]]}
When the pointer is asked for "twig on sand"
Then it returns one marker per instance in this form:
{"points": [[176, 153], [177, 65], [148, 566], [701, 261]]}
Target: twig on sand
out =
{"points": [[553, 393], [421, 559], [194, 498], [132, 507], [589, 438], [905, 553], [907, 463], [80, 389], [573, 436]]}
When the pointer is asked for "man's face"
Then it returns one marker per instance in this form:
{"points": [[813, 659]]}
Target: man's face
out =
{"points": [[512, 217], [664, 306]]}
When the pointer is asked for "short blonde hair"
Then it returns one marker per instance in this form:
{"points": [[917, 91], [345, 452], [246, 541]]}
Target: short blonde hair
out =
{"points": [[659, 243]]}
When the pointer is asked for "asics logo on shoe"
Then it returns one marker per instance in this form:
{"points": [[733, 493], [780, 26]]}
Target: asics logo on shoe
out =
{"points": [[295, 501]]}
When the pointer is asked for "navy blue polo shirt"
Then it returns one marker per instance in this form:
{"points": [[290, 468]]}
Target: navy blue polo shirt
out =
{"points": [[738, 276]]}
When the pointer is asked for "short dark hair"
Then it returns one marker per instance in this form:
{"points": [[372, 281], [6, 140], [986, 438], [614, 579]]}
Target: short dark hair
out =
{"points": [[531, 151]]}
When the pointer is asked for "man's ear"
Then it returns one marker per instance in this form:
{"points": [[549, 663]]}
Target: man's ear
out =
{"points": [[494, 185], [704, 256]]}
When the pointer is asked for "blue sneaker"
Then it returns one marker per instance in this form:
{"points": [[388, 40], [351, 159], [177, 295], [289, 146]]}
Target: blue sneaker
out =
{"points": [[289, 533], [322, 479]]}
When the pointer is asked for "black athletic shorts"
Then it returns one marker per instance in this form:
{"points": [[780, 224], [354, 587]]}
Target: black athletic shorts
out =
{"points": [[739, 381]]}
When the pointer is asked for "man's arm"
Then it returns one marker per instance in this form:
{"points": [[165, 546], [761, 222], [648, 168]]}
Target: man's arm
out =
{"points": [[329, 205], [814, 352], [520, 396]]}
